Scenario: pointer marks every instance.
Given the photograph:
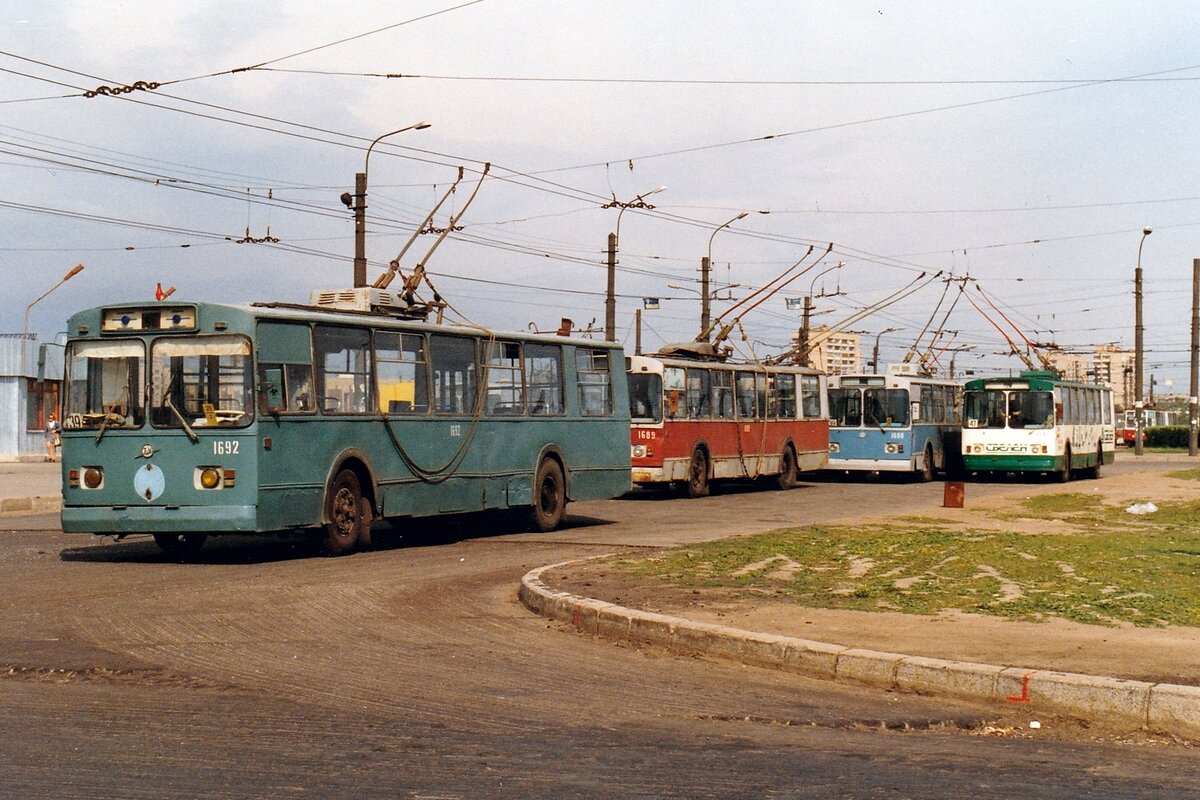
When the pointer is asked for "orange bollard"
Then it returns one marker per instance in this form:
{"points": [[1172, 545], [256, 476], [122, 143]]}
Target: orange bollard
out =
{"points": [[954, 493]]}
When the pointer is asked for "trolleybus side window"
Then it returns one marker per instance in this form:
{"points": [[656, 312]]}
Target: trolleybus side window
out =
{"points": [[543, 378], [595, 382], [285, 389], [505, 394], [745, 395], [201, 380], [722, 393], [105, 384], [810, 396], [344, 383], [783, 387], [402, 371], [699, 393], [285, 373], [454, 378], [674, 386]]}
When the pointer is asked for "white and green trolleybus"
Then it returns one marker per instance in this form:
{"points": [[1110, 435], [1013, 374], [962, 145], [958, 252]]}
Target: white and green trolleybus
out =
{"points": [[1037, 422], [195, 419]]}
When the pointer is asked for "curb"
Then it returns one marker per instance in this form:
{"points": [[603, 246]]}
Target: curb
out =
{"points": [[1159, 707], [30, 505]]}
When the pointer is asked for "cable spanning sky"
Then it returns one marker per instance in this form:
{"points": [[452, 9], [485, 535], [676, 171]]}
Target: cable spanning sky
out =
{"points": [[1024, 146]]}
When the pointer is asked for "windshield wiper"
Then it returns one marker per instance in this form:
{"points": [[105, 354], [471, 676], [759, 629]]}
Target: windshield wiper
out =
{"points": [[166, 401], [110, 414]]}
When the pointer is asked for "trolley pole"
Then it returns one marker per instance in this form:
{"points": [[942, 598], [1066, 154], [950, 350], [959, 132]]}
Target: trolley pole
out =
{"points": [[1194, 389]]}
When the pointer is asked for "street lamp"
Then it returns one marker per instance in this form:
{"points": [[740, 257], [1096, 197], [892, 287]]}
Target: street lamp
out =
{"points": [[610, 298], [875, 349], [75, 270], [1138, 405], [706, 269], [804, 320], [358, 203]]}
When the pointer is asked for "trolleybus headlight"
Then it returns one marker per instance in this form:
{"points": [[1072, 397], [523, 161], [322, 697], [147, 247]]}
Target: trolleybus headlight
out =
{"points": [[889, 448], [210, 477], [639, 451], [834, 447], [93, 477]]}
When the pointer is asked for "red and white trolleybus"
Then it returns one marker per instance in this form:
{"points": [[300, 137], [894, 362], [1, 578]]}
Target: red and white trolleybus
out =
{"points": [[695, 421]]}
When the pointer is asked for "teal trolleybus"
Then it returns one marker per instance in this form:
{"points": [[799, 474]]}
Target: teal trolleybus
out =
{"points": [[189, 420], [1036, 422], [900, 422]]}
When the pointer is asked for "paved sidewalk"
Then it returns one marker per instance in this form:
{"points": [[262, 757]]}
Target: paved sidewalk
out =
{"points": [[30, 487]]}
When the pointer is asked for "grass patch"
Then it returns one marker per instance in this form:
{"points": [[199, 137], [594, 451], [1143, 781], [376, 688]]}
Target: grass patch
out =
{"points": [[1185, 474], [1106, 567]]}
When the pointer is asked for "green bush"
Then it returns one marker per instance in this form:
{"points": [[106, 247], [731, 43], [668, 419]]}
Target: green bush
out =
{"points": [[1167, 436]]}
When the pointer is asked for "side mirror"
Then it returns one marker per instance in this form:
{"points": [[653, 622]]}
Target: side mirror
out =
{"points": [[272, 389]]}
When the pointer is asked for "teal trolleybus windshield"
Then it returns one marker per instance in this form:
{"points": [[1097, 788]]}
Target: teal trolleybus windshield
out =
{"points": [[202, 419]]}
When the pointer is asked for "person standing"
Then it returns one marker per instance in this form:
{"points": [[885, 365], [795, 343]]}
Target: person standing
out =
{"points": [[53, 440]]}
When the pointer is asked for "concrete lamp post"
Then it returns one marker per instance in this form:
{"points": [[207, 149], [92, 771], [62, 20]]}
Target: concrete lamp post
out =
{"points": [[357, 202], [614, 238]]}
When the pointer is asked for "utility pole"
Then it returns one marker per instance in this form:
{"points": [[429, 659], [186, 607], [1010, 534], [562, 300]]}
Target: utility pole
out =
{"points": [[358, 204], [637, 323], [1138, 351], [360, 229], [804, 330], [1194, 389], [610, 299], [705, 302]]}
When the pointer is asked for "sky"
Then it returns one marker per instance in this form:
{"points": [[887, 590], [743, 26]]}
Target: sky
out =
{"points": [[944, 154]]}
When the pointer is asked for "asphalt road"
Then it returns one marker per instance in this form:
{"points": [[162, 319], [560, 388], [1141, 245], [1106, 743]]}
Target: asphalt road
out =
{"points": [[265, 670]]}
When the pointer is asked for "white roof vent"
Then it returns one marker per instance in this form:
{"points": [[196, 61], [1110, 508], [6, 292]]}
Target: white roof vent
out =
{"points": [[363, 298]]}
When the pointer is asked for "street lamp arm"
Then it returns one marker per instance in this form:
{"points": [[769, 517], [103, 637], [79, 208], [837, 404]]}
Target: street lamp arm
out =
{"points": [[75, 270], [416, 126]]}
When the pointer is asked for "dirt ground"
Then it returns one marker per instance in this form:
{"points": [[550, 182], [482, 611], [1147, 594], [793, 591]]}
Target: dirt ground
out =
{"points": [[1164, 654]]}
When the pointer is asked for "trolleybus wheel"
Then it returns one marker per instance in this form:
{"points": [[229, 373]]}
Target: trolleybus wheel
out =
{"points": [[344, 510], [180, 545], [1099, 461], [697, 481], [1064, 474], [549, 496], [926, 473], [787, 469]]}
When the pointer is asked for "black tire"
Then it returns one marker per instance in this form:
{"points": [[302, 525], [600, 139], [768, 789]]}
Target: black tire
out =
{"points": [[697, 480], [787, 470], [1064, 474], [1095, 471], [344, 510], [181, 546], [549, 496], [925, 475]]}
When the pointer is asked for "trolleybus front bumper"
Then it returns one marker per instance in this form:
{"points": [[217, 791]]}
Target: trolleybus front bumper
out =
{"points": [[121, 520], [871, 464], [1012, 463]]}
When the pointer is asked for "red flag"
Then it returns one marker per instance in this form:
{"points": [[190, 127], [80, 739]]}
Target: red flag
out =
{"points": [[159, 294]]}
